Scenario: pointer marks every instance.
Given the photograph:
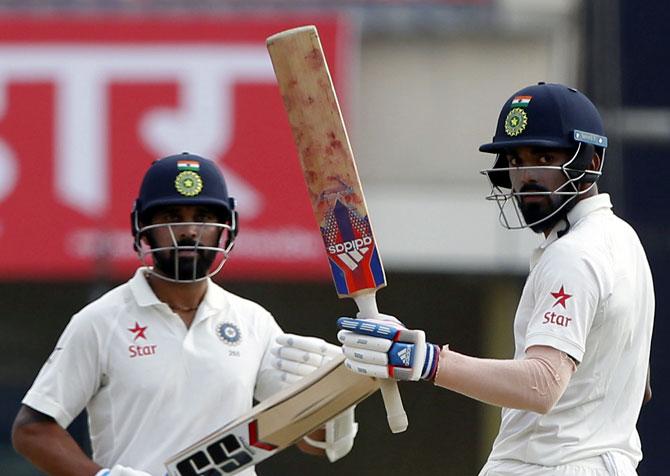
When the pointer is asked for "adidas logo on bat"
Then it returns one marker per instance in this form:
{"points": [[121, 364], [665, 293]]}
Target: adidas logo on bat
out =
{"points": [[351, 252], [357, 244]]}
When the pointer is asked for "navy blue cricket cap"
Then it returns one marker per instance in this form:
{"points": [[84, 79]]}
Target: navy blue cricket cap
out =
{"points": [[184, 179], [547, 115]]}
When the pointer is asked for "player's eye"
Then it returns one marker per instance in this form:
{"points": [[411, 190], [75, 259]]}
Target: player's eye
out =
{"points": [[166, 217], [512, 161], [207, 217]]}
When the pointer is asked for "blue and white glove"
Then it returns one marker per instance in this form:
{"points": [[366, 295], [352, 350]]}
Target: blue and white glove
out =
{"points": [[385, 349], [118, 470]]}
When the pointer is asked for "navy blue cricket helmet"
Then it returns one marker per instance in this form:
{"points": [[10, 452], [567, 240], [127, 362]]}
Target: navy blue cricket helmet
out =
{"points": [[548, 115], [183, 179]]}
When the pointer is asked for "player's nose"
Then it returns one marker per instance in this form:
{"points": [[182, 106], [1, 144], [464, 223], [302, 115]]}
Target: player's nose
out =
{"points": [[188, 230]]}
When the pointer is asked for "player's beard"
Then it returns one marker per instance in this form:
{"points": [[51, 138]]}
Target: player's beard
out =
{"points": [[164, 262], [541, 213]]}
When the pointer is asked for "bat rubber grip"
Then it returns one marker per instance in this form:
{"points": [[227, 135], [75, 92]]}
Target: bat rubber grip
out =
{"points": [[395, 413]]}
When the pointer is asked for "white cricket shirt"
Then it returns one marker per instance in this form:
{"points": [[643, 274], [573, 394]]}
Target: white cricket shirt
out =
{"points": [[589, 294], [150, 385]]}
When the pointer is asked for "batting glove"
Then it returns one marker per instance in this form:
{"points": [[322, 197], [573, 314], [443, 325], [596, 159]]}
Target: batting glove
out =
{"points": [[118, 470], [385, 349], [298, 356]]}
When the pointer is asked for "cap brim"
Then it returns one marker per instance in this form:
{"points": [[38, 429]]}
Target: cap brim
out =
{"points": [[152, 205], [501, 146]]}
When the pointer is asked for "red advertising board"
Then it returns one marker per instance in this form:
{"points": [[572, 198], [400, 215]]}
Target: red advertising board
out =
{"points": [[86, 104]]}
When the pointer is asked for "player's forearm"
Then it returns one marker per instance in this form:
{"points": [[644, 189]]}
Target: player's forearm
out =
{"points": [[535, 383], [50, 448]]}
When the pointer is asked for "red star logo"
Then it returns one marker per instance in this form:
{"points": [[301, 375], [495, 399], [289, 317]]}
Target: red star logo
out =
{"points": [[138, 331], [561, 296]]}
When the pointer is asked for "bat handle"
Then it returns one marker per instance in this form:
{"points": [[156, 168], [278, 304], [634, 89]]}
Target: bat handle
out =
{"points": [[395, 412]]}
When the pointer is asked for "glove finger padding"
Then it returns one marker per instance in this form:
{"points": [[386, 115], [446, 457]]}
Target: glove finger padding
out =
{"points": [[371, 370], [352, 339], [295, 368], [367, 356], [309, 344], [300, 356]]}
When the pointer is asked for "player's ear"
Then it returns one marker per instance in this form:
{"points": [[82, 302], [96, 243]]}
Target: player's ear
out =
{"points": [[596, 160]]}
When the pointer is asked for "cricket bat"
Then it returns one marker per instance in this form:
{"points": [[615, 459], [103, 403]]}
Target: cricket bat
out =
{"points": [[275, 424], [332, 179]]}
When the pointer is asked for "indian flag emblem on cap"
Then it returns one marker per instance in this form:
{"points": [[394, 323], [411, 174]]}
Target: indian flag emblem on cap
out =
{"points": [[521, 101], [188, 165]]}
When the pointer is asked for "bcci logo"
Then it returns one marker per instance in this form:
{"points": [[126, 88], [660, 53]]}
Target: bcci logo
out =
{"points": [[228, 333], [188, 183], [516, 122]]}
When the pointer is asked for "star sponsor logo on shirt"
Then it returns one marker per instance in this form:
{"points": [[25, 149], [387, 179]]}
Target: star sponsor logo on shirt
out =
{"points": [[138, 331], [556, 318], [134, 350], [561, 297]]}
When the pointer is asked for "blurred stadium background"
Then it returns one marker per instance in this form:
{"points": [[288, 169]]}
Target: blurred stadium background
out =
{"points": [[92, 91]]}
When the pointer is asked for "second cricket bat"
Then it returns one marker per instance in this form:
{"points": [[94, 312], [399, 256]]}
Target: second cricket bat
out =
{"points": [[332, 179], [274, 424]]}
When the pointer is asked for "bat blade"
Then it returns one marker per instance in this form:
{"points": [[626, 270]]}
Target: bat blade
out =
{"points": [[333, 184], [327, 161], [275, 424]]}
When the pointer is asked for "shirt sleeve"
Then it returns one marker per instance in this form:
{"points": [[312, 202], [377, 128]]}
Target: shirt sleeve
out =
{"points": [[567, 294], [70, 376]]}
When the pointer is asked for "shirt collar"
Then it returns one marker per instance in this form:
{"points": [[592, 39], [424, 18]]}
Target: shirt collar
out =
{"points": [[144, 295], [589, 205], [213, 301], [580, 210]]}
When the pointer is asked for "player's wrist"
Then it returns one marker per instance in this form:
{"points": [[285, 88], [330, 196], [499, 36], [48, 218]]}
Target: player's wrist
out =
{"points": [[431, 362]]}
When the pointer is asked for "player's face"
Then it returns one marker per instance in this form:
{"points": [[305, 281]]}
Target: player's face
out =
{"points": [[190, 227], [537, 169]]}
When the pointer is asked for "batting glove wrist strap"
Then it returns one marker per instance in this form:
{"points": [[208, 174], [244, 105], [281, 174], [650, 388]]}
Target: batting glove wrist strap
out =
{"points": [[103, 472], [431, 363]]}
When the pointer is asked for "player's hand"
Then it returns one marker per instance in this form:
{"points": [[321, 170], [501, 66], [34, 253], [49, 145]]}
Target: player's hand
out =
{"points": [[118, 470], [298, 356], [385, 349]]}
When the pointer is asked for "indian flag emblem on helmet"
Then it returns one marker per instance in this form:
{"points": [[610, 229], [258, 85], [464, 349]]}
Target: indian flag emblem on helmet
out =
{"points": [[516, 121], [188, 165], [188, 183], [521, 101]]}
